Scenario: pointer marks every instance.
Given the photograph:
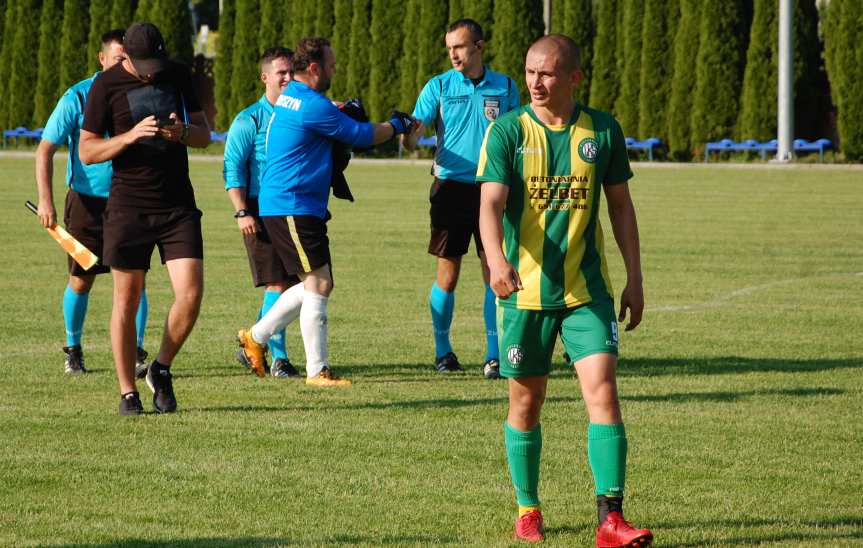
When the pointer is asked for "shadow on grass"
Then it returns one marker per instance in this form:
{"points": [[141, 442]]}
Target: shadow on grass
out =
{"points": [[260, 542], [732, 396], [453, 403], [813, 530], [634, 367]]}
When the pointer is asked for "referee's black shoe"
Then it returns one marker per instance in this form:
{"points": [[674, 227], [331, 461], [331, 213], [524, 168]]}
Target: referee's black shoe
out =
{"points": [[74, 363], [159, 381], [283, 367], [130, 405], [141, 364], [447, 363], [491, 369]]}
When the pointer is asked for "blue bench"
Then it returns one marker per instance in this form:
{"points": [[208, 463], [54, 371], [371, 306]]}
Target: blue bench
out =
{"points": [[427, 141], [647, 144], [13, 134], [818, 146], [751, 145], [215, 136]]}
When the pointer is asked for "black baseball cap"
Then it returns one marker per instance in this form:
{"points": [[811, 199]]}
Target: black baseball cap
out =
{"points": [[145, 48]]}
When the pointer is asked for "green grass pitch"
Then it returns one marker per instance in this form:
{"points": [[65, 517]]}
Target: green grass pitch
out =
{"points": [[741, 390]]}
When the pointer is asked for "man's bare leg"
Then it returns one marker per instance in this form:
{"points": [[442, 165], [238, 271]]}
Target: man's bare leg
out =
{"points": [[128, 285], [187, 281]]}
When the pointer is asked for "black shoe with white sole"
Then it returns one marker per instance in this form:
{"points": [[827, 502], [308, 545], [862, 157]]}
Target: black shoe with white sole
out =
{"points": [[141, 364], [74, 363], [159, 381], [130, 405]]}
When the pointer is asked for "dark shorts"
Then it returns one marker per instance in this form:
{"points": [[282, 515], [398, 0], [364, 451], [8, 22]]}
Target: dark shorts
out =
{"points": [[82, 216], [264, 262], [454, 218], [131, 235], [300, 241]]}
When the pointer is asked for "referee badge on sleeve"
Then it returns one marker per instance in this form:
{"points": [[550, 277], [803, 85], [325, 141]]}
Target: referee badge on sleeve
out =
{"points": [[491, 109]]}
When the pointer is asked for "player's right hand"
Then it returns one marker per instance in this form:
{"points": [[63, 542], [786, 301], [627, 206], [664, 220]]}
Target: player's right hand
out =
{"points": [[47, 214], [503, 279], [145, 129], [247, 225]]}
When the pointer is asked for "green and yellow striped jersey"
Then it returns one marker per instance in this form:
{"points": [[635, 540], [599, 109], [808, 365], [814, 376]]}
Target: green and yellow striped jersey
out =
{"points": [[552, 234]]}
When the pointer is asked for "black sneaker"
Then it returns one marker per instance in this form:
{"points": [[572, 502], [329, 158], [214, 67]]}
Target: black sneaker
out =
{"points": [[159, 381], [244, 361], [130, 404], [74, 364], [141, 363], [284, 368], [491, 369], [447, 363]]}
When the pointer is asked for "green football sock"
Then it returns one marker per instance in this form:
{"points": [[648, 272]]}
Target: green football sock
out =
{"points": [[523, 450], [606, 450]]}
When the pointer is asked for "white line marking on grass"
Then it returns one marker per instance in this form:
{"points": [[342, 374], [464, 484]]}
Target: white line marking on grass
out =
{"points": [[723, 300]]}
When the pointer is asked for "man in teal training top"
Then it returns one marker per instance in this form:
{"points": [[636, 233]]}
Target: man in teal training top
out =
{"points": [[87, 195], [245, 158], [461, 103]]}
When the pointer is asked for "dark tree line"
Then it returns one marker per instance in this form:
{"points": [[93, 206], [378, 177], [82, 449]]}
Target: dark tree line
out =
{"points": [[686, 71]]}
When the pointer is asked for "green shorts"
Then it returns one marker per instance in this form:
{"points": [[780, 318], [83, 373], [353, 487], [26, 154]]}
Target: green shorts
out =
{"points": [[527, 337]]}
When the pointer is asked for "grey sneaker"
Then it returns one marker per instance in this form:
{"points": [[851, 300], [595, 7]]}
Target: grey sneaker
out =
{"points": [[141, 364], [244, 361], [130, 405], [284, 368], [159, 381], [491, 369], [447, 363], [74, 363]]}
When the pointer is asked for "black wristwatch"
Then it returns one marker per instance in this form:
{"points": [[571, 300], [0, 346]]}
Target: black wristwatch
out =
{"points": [[241, 213]]}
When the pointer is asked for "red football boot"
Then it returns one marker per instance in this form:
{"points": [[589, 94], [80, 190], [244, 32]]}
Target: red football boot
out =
{"points": [[616, 532], [528, 527]]}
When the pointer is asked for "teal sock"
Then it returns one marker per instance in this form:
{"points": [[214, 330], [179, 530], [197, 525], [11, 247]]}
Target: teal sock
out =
{"points": [[441, 304], [489, 314], [276, 343], [74, 312], [141, 318], [606, 451], [523, 450]]}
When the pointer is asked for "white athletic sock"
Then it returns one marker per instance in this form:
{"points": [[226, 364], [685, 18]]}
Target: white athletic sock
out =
{"points": [[284, 311], [313, 325]]}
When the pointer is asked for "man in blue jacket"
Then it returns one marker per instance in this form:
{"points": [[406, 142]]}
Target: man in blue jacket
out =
{"points": [[293, 201], [245, 158]]}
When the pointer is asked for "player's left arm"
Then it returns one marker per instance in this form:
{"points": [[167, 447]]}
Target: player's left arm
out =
{"points": [[194, 131], [622, 213]]}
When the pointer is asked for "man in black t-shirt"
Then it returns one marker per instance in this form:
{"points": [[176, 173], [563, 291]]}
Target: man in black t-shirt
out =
{"points": [[149, 110]]}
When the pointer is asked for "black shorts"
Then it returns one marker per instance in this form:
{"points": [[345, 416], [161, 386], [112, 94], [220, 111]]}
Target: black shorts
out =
{"points": [[264, 262], [300, 241], [131, 235], [82, 216], [454, 218]]}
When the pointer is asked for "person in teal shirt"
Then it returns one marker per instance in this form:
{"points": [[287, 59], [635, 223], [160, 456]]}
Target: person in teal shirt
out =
{"points": [[245, 158], [461, 103], [88, 187]]}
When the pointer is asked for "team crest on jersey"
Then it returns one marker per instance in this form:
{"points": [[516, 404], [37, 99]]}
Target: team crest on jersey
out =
{"points": [[515, 354], [491, 108], [587, 149]]}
